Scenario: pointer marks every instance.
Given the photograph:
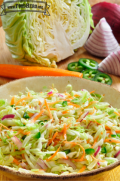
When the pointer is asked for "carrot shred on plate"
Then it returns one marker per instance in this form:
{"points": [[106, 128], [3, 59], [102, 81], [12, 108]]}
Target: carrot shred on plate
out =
{"points": [[47, 106], [37, 116], [50, 158], [50, 140], [112, 140], [82, 169], [12, 101]]}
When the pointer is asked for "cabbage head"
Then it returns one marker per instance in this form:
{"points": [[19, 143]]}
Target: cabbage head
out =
{"points": [[37, 39]]}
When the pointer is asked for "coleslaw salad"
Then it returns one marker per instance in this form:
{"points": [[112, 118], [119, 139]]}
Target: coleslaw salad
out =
{"points": [[58, 133]]}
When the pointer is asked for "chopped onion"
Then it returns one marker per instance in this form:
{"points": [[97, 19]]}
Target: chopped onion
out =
{"points": [[112, 14], [67, 161], [97, 151], [51, 92], [23, 165], [8, 116], [42, 164], [102, 41], [111, 64], [117, 155], [60, 95], [84, 116], [98, 163], [17, 142]]}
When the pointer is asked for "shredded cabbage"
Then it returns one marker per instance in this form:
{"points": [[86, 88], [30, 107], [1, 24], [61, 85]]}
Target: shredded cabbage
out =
{"points": [[36, 39]]}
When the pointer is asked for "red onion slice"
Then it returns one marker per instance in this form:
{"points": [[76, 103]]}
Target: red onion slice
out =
{"points": [[98, 163], [107, 44], [111, 64], [84, 116], [49, 93], [42, 164], [97, 151], [111, 12], [23, 165], [8, 116], [67, 161], [117, 154], [17, 142]]}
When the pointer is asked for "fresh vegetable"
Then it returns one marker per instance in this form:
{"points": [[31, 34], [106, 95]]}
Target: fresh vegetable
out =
{"points": [[61, 135], [8, 116], [88, 63], [89, 74], [26, 116], [102, 41], [111, 64], [17, 71], [103, 78], [111, 12], [37, 39], [89, 151], [74, 66]]}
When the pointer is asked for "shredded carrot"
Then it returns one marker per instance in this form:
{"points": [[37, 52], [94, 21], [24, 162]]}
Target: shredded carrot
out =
{"points": [[82, 169], [97, 159], [95, 141], [25, 133], [92, 91], [55, 102], [50, 140], [40, 102], [53, 109], [117, 131], [65, 112], [4, 127], [50, 158], [23, 156], [28, 94], [37, 116], [76, 95], [108, 128], [47, 106], [81, 159], [12, 101], [25, 98], [64, 131], [117, 113], [92, 102], [30, 114], [73, 144], [75, 105], [112, 140], [50, 95], [16, 161]]}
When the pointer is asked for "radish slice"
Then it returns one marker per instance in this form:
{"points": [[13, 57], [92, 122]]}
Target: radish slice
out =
{"points": [[97, 151], [42, 164], [102, 41], [67, 161], [8, 116], [111, 64], [17, 142]]}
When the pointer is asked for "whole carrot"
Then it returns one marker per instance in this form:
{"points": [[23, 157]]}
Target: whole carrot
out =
{"points": [[17, 71]]}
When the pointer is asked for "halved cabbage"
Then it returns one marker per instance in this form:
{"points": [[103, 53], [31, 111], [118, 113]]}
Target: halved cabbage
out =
{"points": [[37, 39]]}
